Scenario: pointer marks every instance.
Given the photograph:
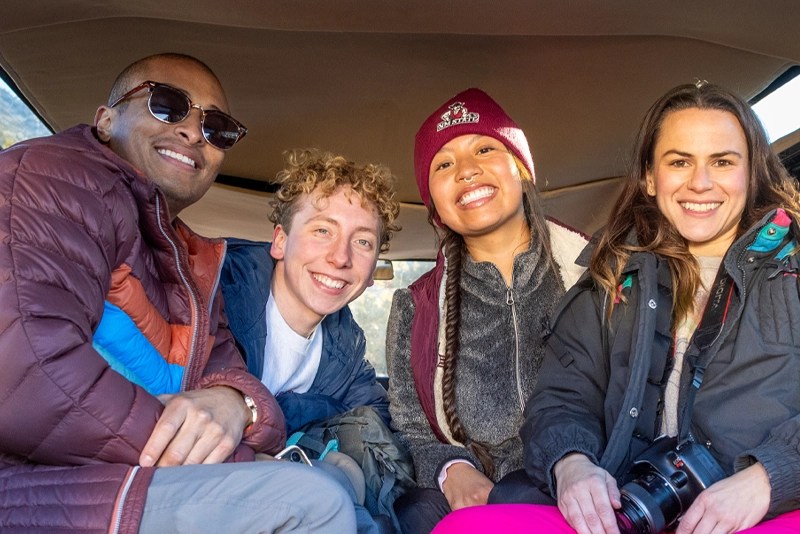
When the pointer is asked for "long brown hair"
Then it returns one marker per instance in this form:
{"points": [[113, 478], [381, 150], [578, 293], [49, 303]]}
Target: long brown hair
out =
{"points": [[455, 251], [635, 211]]}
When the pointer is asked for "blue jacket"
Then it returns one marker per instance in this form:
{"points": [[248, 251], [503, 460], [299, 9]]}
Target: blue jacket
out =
{"points": [[345, 379]]}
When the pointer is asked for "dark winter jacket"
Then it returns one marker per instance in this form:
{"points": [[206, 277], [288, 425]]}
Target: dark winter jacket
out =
{"points": [[82, 227], [501, 350], [605, 399], [345, 379]]}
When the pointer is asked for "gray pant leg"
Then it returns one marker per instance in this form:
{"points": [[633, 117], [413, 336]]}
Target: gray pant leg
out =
{"points": [[252, 497]]}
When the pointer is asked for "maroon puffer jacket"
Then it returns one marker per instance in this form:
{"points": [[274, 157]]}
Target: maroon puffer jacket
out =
{"points": [[71, 429]]}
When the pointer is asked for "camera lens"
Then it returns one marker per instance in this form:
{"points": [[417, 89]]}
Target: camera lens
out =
{"points": [[666, 479], [632, 518], [648, 505]]}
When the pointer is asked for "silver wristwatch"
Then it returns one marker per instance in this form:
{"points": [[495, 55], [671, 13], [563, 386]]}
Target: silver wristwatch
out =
{"points": [[248, 400]]}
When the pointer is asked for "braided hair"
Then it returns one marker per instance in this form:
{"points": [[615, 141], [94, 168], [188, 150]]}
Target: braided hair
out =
{"points": [[455, 251]]}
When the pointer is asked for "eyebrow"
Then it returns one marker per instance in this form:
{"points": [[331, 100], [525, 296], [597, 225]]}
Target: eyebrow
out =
{"points": [[472, 139], [185, 92], [714, 155], [330, 220], [367, 231]]}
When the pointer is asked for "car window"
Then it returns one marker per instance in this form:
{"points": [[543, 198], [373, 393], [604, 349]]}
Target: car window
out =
{"points": [[17, 121], [779, 108], [371, 309]]}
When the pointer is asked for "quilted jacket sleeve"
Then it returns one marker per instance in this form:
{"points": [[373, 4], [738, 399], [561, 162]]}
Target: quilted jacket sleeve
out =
{"points": [[60, 403]]}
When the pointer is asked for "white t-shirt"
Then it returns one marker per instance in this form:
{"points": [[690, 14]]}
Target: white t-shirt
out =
{"points": [[291, 361]]}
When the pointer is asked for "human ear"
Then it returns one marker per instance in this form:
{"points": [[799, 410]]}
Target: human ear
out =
{"points": [[651, 184], [278, 243], [103, 122]]}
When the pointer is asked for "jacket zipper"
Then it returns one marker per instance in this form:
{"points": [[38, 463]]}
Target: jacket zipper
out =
{"points": [[510, 302], [122, 497], [192, 297], [219, 275]]}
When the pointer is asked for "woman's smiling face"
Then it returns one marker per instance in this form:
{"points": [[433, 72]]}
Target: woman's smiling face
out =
{"points": [[475, 185], [699, 176]]}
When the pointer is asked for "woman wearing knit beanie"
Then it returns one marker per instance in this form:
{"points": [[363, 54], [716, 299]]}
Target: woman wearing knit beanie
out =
{"points": [[464, 343]]}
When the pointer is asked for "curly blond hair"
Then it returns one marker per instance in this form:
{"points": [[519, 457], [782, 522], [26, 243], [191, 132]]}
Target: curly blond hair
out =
{"points": [[324, 173]]}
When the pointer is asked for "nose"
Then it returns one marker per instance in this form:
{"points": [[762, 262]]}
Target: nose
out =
{"points": [[467, 169], [339, 253], [700, 180], [191, 128]]}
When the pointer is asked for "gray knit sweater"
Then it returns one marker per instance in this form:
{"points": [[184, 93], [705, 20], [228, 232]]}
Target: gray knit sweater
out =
{"points": [[494, 377]]}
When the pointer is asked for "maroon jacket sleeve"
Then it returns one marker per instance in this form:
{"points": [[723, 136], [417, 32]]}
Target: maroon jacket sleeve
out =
{"points": [[60, 403]]}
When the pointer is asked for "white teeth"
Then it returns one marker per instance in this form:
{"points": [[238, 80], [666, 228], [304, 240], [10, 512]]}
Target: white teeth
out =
{"points": [[706, 206], [477, 194], [329, 282], [180, 157]]}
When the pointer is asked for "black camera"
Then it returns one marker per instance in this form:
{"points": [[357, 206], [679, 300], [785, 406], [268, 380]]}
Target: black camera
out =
{"points": [[667, 479]]}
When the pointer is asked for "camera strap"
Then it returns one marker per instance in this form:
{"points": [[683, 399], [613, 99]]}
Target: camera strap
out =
{"points": [[707, 332]]}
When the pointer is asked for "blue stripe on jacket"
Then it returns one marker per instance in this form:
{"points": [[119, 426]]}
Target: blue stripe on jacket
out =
{"points": [[130, 353]]}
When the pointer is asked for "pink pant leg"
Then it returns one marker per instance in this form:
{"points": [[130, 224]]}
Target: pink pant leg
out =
{"points": [[505, 518], [527, 518], [788, 523]]}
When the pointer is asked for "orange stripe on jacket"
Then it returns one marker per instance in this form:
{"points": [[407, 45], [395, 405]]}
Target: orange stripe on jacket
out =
{"points": [[171, 341]]}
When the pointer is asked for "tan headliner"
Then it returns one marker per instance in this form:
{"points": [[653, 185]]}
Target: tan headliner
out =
{"points": [[358, 77]]}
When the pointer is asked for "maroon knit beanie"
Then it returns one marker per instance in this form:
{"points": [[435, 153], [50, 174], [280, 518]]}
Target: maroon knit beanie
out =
{"points": [[469, 112]]}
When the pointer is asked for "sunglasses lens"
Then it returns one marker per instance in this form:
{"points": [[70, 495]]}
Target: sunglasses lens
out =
{"points": [[220, 130], [172, 106], [168, 105]]}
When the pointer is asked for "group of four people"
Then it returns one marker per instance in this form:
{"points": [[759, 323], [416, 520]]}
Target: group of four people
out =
{"points": [[121, 374]]}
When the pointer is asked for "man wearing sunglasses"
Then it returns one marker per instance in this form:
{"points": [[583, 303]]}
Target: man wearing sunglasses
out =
{"points": [[116, 361]]}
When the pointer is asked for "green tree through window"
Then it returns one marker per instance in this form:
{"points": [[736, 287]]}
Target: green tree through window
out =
{"points": [[17, 121]]}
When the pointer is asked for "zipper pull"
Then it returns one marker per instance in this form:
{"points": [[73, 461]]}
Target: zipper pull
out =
{"points": [[509, 297]]}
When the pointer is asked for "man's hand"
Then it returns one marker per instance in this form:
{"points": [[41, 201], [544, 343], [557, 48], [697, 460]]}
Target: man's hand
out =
{"points": [[587, 495], [200, 426], [466, 486], [732, 504]]}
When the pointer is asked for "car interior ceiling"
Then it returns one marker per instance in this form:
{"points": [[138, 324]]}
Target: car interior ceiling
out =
{"points": [[358, 78]]}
